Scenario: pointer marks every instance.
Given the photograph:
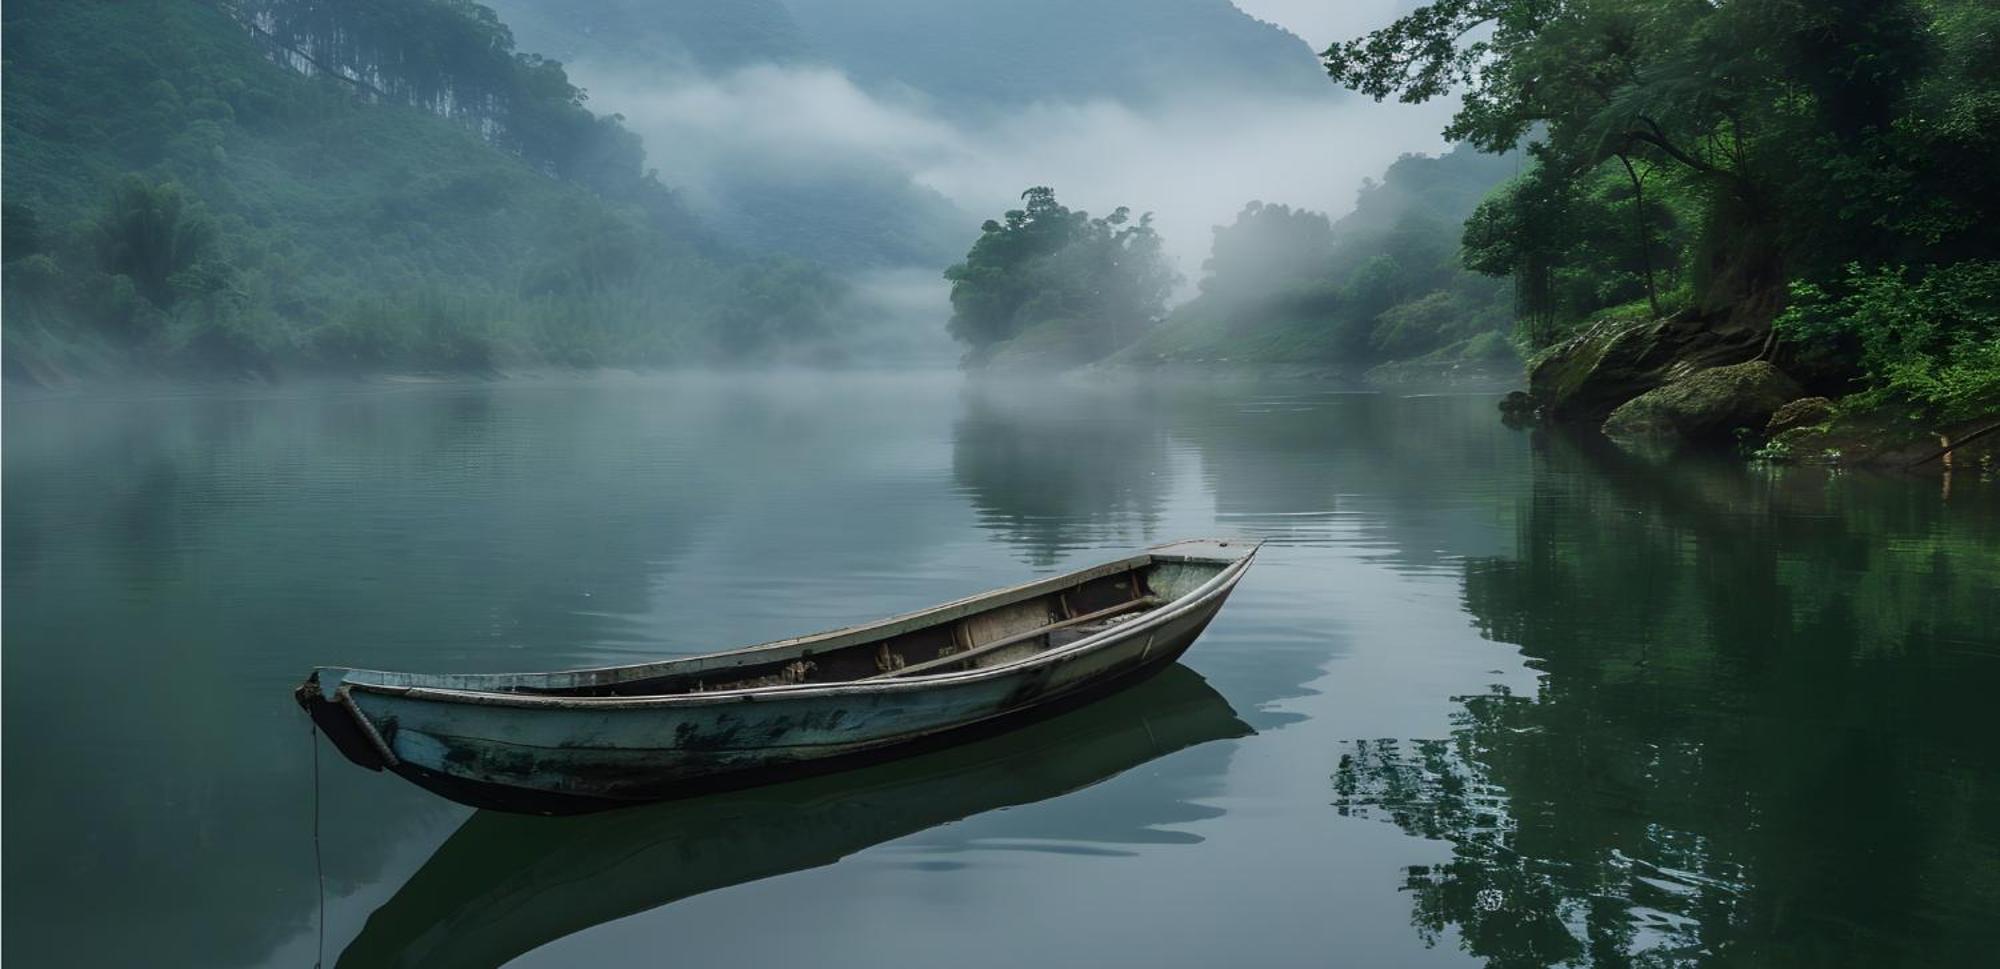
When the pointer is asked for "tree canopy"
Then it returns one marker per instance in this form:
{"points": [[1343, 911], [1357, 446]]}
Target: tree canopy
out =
{"points": [[1090, 284], [1814, 133], [1718, 156]]}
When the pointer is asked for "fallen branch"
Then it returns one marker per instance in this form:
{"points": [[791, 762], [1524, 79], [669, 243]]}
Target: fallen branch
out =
{"points": [[1948, 448]]}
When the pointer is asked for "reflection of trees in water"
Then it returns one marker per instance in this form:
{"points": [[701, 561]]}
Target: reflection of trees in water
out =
{"points": [[1760, 738], [1524, 886], [1051, 467]]}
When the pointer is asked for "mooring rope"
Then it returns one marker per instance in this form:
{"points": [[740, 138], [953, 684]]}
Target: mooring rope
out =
{"points": [[319, 871]]}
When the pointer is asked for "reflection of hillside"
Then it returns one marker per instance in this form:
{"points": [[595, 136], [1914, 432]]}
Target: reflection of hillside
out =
{"points": [[1761, 737], [1050, 467], [504, 884]]}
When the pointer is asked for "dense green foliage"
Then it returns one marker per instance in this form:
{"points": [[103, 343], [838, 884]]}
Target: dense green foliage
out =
{"points": [[1079, 287], [1574, 246], [1761, 142], [410, 193], [1383, 283], [1933, 343]]}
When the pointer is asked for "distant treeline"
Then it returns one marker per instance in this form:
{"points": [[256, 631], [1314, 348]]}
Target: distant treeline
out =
{"points": [[1384, 283], [268, 184]]}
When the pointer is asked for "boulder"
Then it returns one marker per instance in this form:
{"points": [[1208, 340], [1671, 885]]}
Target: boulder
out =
{"points": [[1707, 406], [1589, 375], [1804, 412], [1518, 409]]}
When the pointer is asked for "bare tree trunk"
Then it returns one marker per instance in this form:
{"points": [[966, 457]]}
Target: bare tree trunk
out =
{"points": [[1645, 233]]}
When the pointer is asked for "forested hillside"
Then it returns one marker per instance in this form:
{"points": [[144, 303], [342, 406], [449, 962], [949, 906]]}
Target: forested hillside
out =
{"points": [[660, 33], [1729, 206], [273, 184]]}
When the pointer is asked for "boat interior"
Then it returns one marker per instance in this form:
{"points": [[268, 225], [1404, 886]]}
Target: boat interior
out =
{"points": [[1006, 628]]}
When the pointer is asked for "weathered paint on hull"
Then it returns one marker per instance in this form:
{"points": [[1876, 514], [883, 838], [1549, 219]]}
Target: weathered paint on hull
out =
{"points": [[571, 762]]}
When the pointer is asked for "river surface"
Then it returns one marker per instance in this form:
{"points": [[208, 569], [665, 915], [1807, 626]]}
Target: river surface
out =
{"points": [[1487, 697]]}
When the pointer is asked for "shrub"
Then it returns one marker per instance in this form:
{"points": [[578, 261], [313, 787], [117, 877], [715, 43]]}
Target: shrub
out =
{"points": [[1932, 343]]}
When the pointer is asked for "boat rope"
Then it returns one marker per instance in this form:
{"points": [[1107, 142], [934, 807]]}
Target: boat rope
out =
{"points": [[319, 870]]}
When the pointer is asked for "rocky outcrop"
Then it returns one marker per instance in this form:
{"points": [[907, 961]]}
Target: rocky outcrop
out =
{"points": [[1804, 412], [1709, 406], [1590, 375]]}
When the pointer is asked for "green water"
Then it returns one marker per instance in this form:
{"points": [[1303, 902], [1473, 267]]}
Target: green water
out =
{"points": [[1488, 697]]}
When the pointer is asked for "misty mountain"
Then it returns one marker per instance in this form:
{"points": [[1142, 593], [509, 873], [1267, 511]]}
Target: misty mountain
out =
{"points": [[940, 82], [983, 54], [658, 34]]}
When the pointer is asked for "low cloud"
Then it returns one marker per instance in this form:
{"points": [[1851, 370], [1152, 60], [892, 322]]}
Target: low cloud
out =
{"points": [[1193, 161]]}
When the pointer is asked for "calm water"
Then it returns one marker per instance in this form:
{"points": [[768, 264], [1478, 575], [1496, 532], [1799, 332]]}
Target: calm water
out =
{"points": [[1488, 697]]}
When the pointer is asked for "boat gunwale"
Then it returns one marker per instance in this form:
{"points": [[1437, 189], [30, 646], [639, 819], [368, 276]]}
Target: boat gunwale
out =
{"points": [[1214, 588]]}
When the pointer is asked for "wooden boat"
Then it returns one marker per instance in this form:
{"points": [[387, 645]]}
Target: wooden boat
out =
{"points": [[585, 740]]}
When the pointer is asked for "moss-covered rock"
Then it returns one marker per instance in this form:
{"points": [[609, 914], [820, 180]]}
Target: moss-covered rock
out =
{"points": [[1590, 375], [1707, 406], [1804, 412]]}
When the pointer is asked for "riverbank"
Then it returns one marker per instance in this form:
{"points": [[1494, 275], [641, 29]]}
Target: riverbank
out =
{"points": [[1685, 382]]}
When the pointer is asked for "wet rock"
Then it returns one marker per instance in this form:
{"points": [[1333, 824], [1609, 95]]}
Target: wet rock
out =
{"points": [[1804, 412], [1518, 409], [1707, 406], [1588, 376]]}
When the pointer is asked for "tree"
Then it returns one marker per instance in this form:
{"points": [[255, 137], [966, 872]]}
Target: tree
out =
{"points": [[152, 233], [1793, 122], [1102, 281], [1267, 247]]}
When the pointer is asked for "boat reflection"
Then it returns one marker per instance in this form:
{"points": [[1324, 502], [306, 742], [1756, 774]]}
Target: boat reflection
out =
{"points": [[503, 885]]}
